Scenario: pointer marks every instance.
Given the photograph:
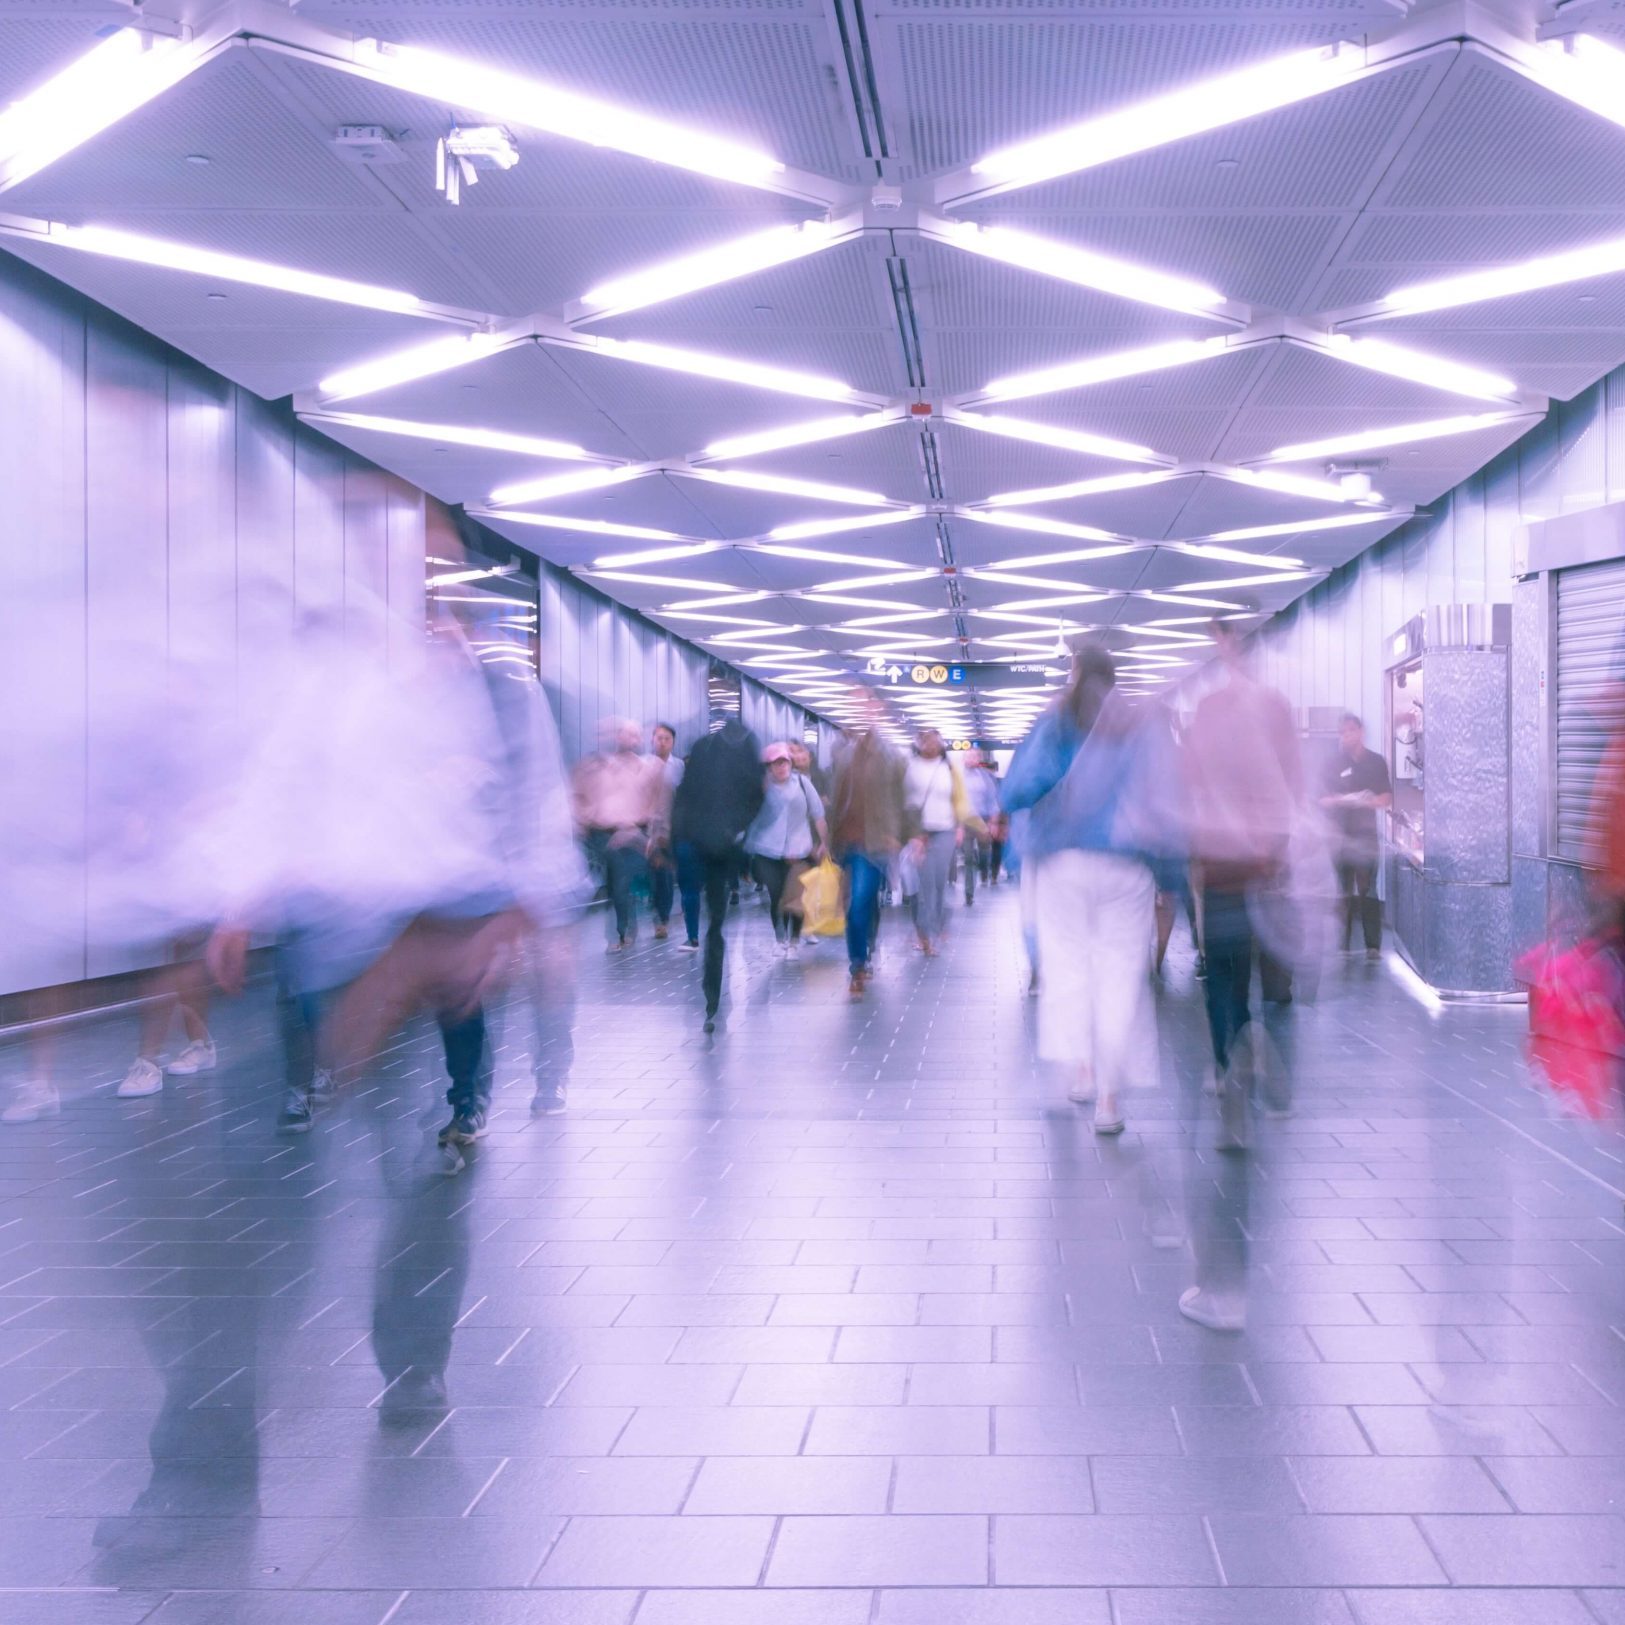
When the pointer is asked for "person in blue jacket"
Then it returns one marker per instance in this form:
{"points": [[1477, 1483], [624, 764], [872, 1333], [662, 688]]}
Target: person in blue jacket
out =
{"points": [[1100, 779]]}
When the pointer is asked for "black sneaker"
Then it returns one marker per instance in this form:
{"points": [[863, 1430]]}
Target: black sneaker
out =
{"points": [[464, 1128], [710, 1021], [548, 1101], [417, 1396], [297, 1114]]}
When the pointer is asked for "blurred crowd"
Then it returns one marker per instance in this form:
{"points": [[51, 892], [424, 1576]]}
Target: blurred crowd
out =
{"points": [[403, 841]]}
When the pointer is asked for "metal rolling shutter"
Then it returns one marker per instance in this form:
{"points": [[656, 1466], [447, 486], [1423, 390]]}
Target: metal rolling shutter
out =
{"points": [[1590, 682]]}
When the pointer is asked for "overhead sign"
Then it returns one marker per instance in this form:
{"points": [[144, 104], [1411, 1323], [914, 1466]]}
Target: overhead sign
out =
{"points": [[973, 674]]}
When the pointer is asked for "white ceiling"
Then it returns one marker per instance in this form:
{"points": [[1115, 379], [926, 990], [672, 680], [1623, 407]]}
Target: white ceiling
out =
{"points": [[1457, 147]]}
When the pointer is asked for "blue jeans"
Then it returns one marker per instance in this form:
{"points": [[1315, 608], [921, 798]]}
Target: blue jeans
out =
{"points": [[867, 876], [690, 875]]}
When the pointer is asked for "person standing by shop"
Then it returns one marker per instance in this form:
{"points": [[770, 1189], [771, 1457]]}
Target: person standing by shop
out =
{"points": [[664, 864], [720, 795], [787, 833], [866, 821], [1356, 787], [934, 809]]}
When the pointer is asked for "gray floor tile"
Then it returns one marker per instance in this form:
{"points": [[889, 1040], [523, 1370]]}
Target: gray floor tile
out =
{"points": [[1530, 1550], [760, 1607], [656, 1552], [464, 1553], [1396, 1484], [1034, 1484], [515, 1608], [1030, 1605], [1463, 1607], [1233, 1606], [1101, 1551], [916, 1430], [1176, 1484], [801, 1484], [897, 1550], [1263, 1550]]}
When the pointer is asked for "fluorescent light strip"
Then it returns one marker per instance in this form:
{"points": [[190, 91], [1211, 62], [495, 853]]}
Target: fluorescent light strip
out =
{"points": [[1186, 598], [1057, 602], [1400, 434], [1272, 579], [1009, 519], [748, 480], [1080, 555], [559, 485], [670, 614], [654, 555], [800, 434], [475, 87], [678, 604], [1042, 434], [1231, 555], [171, 256], [454, 434], [896, 579], [819, 555], [833, 527], [1503, 281], [96, 90], [1295, 485], [587, 527], [1101, 369], [1078, 266], [727, 261], [818, 596], [1291, 527], [1009, 578], [727, 369], [404, 366], [654, 581], [1075, 488], [1377, 355], [1208, 104], [865, 622]]}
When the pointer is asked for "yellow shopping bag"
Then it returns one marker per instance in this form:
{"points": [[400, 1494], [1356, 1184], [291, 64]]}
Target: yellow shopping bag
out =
{"points": [[822, 914]]}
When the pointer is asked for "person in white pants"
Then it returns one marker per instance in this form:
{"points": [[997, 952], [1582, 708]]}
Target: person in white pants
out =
{"points": [[1102, 788]]}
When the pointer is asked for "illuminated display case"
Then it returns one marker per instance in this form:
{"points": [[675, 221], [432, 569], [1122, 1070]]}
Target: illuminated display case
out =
{"points": [[1406, 715]]}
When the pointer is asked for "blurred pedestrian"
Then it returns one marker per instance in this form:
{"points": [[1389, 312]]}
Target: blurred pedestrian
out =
{"points": [[982, 798], [720, 795], [618, 797], [934, 811], [786, 834], [1102, 787], [866, 823]]}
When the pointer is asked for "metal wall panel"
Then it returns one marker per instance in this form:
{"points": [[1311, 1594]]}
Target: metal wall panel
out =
{"points": [[42, 635]]}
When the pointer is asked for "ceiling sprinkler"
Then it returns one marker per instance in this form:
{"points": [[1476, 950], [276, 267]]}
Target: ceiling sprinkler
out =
{"points": [[1355, 478], [465, 150]]}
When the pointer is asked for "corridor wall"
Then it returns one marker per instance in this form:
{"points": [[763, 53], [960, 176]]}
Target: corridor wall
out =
{"points": [[158, 521], [1330, 648]]}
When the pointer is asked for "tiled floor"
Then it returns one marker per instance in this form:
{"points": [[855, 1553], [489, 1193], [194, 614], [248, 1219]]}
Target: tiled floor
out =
{"points": [[843, 1318]]}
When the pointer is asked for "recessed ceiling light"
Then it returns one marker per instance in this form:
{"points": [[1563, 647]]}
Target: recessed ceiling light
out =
{"points": [[199, 158], [216, 296]]}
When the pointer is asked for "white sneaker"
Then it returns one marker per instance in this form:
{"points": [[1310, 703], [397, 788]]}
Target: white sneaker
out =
{"points": [[1082, 1094], [143, 1078], [322, 1088], [33, 1100], [1210, 1310], [198, 1056]]}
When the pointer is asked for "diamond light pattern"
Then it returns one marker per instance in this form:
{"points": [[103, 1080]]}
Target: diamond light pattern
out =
{"points": [[747, 374]]}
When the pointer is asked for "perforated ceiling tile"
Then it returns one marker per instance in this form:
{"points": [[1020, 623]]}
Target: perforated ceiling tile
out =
{"points": [[1494, 140], [36, 48], [653, 501], [1449, 241], [759, 75], [261, 155], [1221, 505], [1146, 512], [1323, 154], [975, 83], [960, 361], [278, 360], [976, 465], [521, 391], [1423, 473], [888, 460]]}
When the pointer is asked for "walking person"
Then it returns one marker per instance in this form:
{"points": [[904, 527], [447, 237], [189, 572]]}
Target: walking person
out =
{"points": [[787, 833], [866, 822], [982, 797], [1356, 787], [663, 872], [1102, 788], [1246, 783], [934, 809], [720, 795], [617, 794]]}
